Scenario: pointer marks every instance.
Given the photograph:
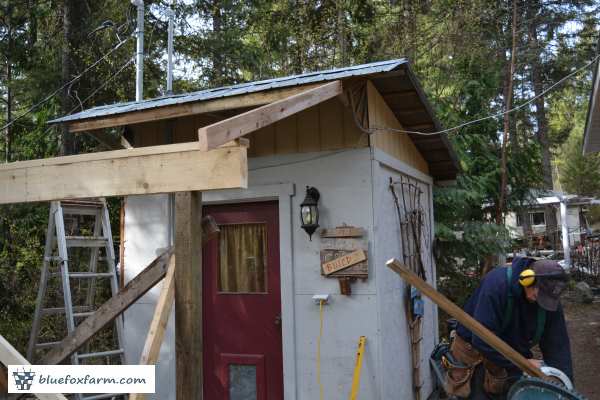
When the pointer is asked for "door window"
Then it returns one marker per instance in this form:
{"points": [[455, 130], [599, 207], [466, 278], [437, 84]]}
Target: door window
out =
{"points": [[242, 258], [242, 382]]}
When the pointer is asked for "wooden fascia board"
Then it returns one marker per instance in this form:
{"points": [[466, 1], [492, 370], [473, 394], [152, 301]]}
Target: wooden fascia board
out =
{"points": [[214, 135], [145, 170], [182, 110]]}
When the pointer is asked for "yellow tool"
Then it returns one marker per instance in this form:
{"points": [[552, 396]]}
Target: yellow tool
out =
{"points": [[357, 367]]}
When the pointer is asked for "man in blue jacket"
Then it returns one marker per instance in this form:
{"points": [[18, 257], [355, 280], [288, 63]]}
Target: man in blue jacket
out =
{"points": [[521, 305]]}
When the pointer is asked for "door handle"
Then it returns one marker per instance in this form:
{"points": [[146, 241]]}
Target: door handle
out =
{"points": [[277, 320]]}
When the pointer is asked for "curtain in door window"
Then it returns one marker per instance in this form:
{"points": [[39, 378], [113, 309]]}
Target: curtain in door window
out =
{"points": [[242, 258]]}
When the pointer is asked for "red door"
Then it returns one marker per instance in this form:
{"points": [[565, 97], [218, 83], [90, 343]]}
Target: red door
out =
{"points": [[242, 304]]}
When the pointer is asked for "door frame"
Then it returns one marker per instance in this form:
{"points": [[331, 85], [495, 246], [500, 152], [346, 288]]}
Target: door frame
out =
{"points": [[283, 194]]}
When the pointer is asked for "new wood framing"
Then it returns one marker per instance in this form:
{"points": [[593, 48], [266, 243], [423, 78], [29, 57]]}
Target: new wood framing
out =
{"points": [[182, 110], [188, 295], [214, 135], [110, 310], [158, 325], [147, 170]]}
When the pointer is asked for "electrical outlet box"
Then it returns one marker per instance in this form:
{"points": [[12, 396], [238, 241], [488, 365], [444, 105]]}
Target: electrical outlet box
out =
{"points": [[317, 298]]}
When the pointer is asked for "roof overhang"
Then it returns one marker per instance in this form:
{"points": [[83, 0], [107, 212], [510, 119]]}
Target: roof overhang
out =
{"points": [[394, 79]]}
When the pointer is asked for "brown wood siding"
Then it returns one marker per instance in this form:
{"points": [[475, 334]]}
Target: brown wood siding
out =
{"points": [[327, 126], [397, 145]]}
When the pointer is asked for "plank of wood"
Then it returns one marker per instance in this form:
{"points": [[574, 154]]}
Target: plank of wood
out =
{"points": [[343, 231], [221, 132], [465, 319], [181, 110], [158, 326], [10, 356], [343, 262], [188, 295], [157, 169], [110, 310]]}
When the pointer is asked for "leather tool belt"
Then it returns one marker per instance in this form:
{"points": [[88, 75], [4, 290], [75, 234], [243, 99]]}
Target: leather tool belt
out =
{"points": [[460, 363]]}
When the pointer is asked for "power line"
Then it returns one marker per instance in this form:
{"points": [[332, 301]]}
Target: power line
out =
{"points": [[475, 121], [51, 95], [106, 82]]}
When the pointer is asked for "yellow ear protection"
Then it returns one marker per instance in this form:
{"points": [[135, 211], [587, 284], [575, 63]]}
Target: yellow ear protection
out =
{"points": [[527, 277]]}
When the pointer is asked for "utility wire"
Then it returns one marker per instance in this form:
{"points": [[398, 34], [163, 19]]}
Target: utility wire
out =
{"points": [[51, 95], [106, 82], [475, 121]]}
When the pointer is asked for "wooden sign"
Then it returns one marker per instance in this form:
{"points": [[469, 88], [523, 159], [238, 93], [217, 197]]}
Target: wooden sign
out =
{"points": [[344, 262], [342, 231]]}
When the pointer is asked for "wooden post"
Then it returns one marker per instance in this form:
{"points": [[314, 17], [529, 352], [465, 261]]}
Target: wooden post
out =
{"points": [[188, 295]]}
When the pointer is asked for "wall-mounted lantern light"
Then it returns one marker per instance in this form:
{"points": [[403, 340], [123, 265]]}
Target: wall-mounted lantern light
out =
{"points": [[309, 211]]}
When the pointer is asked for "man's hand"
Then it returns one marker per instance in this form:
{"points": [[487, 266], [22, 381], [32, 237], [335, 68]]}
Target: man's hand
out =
{"points": [[535, 363]]}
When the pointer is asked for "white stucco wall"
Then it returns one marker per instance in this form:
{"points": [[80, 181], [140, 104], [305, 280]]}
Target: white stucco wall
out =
{"points": [[345, 181]]}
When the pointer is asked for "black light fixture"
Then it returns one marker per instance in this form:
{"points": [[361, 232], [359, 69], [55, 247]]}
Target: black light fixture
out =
{"points": [[309, 211]]}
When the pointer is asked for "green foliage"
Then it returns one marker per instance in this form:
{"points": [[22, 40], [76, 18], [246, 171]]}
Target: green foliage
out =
{"points": [[578, 173]]}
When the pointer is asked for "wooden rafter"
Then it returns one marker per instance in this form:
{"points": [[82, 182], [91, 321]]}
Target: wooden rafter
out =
{"points": [[181, 110], [146, 170], [214, 135], [110, 310]]}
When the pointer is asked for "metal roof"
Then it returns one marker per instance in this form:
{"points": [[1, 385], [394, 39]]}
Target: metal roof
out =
{"points": [[242, 88]]}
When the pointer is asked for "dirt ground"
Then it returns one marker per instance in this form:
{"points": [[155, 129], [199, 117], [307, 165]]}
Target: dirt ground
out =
{"points": [[583, 323]]}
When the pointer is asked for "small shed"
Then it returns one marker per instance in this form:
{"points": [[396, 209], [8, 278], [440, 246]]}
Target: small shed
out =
{"points": [[263, 334]]}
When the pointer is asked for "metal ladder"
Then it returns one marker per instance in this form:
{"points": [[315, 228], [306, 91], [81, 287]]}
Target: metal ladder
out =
{"points": [[56, 265]]}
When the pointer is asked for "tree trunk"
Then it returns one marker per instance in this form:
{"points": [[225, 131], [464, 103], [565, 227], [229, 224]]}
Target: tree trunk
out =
{"points": [[341, 33], [507, 104], [541, 119], [217, 56], [8, 137], [67, 140]]}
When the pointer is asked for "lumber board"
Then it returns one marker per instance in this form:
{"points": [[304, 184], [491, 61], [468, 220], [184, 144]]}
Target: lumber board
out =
{"points": [[110, 310], [156, 169], [158, 326], [465, 319], [188, 295], [182, 110], [222, 132], [10, 356]]}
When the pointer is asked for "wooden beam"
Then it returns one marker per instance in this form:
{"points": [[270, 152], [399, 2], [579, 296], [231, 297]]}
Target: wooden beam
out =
{"points": [[181, 110], [110, 310], [146, 170], [10, 356], [465, 319], [232, 128], [156, 333], [188, 295]]}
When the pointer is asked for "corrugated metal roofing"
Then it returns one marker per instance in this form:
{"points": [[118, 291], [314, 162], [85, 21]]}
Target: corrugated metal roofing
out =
{"points": [[243, 88]]}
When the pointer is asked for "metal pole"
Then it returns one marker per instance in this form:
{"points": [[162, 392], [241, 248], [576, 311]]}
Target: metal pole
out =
{"points": [[139, 77], [170, 50], [565, 230]]}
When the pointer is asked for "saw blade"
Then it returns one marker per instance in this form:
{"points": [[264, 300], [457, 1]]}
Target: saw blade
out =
{"points": [[537, 389]]}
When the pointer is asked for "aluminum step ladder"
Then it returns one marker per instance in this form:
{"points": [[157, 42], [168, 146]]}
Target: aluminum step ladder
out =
{"points": [[87, 279]]}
